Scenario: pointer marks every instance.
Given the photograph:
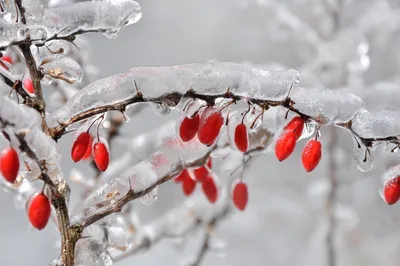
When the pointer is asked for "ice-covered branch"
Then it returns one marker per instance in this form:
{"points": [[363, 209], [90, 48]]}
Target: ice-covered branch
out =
{"points": [[64, 23]]}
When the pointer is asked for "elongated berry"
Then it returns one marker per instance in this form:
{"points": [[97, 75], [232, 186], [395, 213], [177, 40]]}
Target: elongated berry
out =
{"points": [[200, 173], [391, 191], [9, 164], [80, 146], [181, 176], [311, 155], [101, 156], [89, 149], [241, 138], [285, 145], [28, 85], [240, 196], [296, 125], [39, 210], [210, 125], [188, 128], [210, 189], [188, 184]]}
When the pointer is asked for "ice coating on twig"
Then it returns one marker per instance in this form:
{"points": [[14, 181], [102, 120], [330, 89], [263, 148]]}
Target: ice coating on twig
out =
{"points": [[153, 82], [380, 124], [19, 116], [91, 253], [326, 106], [64, 68], [106, 16]]}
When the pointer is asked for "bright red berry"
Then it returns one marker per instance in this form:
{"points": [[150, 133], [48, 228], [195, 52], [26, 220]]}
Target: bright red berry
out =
{"points": [[209, 163], [188, 184], [296, 125], [7, 59], [101, 156], [240, 196], [311, 155], [28, 85], [391, 191], [188, 128], [80, 146], [200, 174], [285, 145], [211, 122], [181, 176], [9, 164], [210, 189], [89, 149], [241, 138], [39, 210]]}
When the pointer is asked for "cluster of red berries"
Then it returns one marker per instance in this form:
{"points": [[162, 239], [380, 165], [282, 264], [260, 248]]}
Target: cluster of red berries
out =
{"points": [[207, 127], [38, 207], [286, 144], [190, 177], [27, 83], [82, 149]]}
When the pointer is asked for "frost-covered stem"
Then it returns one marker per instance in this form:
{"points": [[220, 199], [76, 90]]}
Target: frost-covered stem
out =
{"points": [[36, 75], [21, 11], [207, 235], [331, 199]]}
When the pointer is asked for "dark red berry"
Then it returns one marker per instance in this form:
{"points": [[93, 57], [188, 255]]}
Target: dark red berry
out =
{"points": [[240, 196], [241, 138], [188, 184], [80, 146], [9, 164], [101, 156], [391, 191], [296, 125], [210, 189], [311, 155], [210, 125], [285, 145], [39, 210], [189, 127]]}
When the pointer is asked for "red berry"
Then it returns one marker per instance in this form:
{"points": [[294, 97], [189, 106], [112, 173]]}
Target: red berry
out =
{"points": [[188, 184], [188, 128], [7, 59], [9, 164], [211, 122], [209, 163], [39, 210], [101, 157], [210, 189], [80, 146], [28, 85], [89, 149], [296, 125], [391, 191], [201, 174], [311, 155], [181, 176], [241, 138], [285, 145], [240, 196]]}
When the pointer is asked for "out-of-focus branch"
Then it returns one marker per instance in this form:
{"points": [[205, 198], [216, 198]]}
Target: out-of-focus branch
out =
{"points": [[132, 195], [331, 199]]}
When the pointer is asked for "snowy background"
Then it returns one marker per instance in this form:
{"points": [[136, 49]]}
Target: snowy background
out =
{"points": [[286, 219]]}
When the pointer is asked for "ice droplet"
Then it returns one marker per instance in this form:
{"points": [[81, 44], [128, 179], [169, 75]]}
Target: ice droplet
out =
{"points": [[63, 67], [150, 197], [362, 155], [91, 253]]}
